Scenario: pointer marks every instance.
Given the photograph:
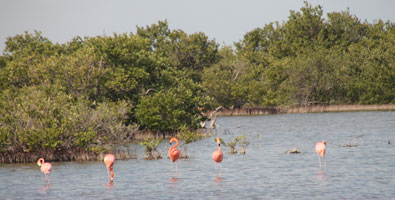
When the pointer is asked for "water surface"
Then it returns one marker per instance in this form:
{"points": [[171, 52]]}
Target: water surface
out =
{"points": [[265, 172]]}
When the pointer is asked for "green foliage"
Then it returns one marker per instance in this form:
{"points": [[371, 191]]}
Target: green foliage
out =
{"points": [[307, 60], [33, 119], [125, 64], [187, 136], [38, 119], [232, 145], [3, 139], [3, 62], [244, 142], [171, 109], [315, 81], [241, 140], [150, 144], [189, 53], [84, 138], [94, 91], [234, 82], [25, 55]]}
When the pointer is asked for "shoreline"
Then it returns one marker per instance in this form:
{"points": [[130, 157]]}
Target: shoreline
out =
{"points": [[247, 111], [84, 155], [120, 152], [73, 155], [256, 111]]}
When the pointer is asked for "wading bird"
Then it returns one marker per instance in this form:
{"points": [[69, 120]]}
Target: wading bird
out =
{"points": [[320, 149], [218, 156], [174, 153], [109, 160], [45, 168]]}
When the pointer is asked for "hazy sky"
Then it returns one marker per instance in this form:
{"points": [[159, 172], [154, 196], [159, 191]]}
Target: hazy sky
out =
{"points": [[226, 21]]}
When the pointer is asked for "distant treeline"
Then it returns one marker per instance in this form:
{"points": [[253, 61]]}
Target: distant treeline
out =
{"points": [[94, 91]]}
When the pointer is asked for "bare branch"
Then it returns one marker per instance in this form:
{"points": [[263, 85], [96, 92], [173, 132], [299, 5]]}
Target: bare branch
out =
{"points": [[149, 90]]}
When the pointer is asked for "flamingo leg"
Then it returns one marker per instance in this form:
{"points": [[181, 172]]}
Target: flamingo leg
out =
{"points": [[172, 168], [220, 169], [319, 161], [112, 175], [216, 171], [325, 163], [108, 174], [177, 168], [49, 178]]}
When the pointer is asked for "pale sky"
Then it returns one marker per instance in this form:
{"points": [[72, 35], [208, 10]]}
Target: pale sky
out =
{"points": [[226, 21]]}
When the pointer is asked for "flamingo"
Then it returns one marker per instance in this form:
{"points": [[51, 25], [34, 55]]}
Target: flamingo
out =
{"points": [[45, 167], [174, 153], [320, 149], [109, 160], [218, 156]]}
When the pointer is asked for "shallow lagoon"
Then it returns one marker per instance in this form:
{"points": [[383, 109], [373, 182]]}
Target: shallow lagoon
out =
{"points": [[265, 172]]}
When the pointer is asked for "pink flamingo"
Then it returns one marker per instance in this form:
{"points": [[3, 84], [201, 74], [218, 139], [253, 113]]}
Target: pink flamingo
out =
{"points": [[45, 167], [320, 149], [218, 156], [174, 153], [109, 160]]}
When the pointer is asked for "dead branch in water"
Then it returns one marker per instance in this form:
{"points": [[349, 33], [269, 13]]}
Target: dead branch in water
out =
{"points": [[213, 117]]}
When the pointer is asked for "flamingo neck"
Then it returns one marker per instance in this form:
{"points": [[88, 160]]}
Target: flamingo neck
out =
{"points": [[41, 161], [219, 148], [173, 147]]}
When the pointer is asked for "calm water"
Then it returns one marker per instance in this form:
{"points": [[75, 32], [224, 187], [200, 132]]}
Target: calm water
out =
{"points": [[265, 172]]}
